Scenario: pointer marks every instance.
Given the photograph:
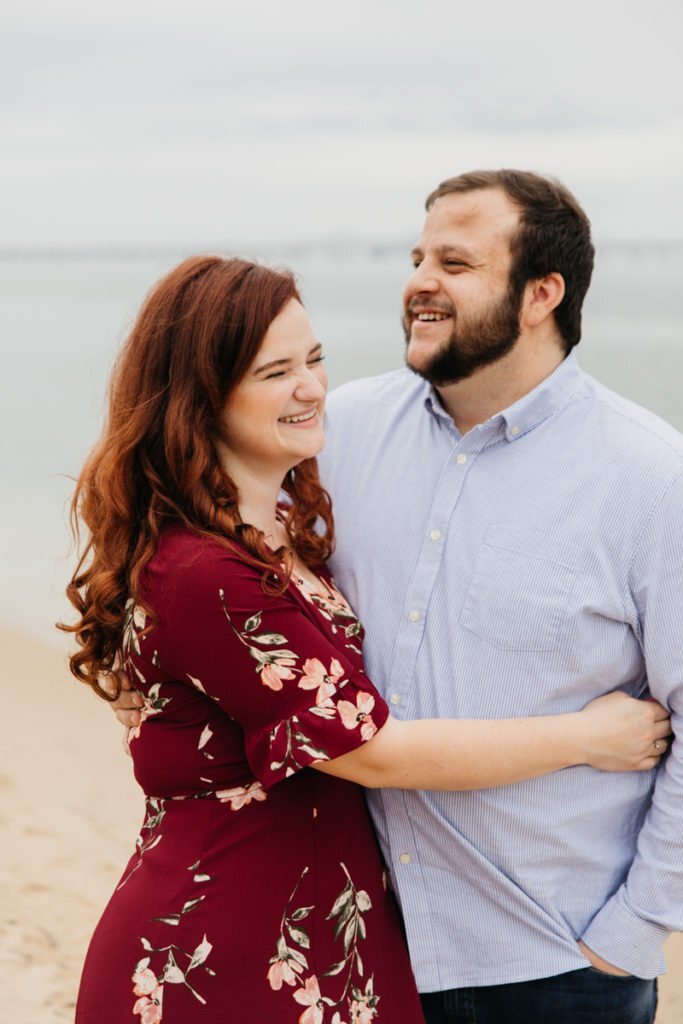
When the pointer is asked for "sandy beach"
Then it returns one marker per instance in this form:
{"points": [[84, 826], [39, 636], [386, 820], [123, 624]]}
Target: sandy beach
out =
{"points": [[69, 812]]}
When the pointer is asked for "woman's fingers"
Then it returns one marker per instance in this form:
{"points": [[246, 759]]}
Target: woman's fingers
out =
{"points": [[660, 711], [661, 728]]}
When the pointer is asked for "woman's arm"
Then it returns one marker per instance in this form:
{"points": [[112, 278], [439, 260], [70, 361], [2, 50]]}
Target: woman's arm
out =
{"points": [[301, 700], [612, 733]]}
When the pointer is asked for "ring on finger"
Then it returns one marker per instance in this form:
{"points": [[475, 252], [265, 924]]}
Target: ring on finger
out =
{"points": [[657, 745]]}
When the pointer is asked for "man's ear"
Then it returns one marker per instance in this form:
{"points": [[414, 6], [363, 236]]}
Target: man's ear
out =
{"points": [[541, 297]]}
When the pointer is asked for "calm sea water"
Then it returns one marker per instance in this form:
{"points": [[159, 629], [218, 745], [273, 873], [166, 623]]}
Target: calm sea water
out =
{"points": [[62, 320]]}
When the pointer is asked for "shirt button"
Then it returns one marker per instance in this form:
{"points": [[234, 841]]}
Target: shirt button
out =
{"points": [[395, 698], [461, 459], [435, 535], [414, 616], [514, 431], [404, 858]]}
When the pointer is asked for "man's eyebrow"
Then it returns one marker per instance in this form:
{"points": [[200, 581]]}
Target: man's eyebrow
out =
{"points": [[449, 250], [285, 362]]}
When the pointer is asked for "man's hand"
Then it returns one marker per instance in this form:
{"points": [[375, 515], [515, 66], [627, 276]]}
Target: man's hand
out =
{"points": [[599, 964], [128, 701]]}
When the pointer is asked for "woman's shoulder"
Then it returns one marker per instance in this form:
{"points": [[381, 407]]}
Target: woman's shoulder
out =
{"points": [[191, 559]]}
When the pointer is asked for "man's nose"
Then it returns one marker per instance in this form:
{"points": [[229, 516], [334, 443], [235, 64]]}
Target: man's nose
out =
{"points": [[423, 279]]}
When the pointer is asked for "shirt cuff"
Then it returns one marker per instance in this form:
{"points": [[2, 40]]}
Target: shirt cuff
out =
{"points": [[625, 940]]}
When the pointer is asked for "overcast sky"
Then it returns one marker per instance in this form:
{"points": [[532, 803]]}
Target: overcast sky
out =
{"points": [[223, 123]]}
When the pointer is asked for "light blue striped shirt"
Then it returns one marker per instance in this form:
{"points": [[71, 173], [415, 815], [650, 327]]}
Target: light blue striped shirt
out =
{"points": [[521, 569]]}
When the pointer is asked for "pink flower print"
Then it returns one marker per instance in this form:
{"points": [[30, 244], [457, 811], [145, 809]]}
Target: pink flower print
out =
{"points": [[145, 982], [150, 1009], [241, 796], [283, 971], [310, 996], [358, 714], [273, 674], [315, 676], [361, 1013], [335, 599]]}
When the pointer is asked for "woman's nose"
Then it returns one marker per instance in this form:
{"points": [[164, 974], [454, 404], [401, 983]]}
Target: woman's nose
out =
{"points": [[312, 384]]}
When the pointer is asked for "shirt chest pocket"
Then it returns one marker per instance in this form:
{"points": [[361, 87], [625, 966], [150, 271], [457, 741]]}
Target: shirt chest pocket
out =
{"points": [[519, 596]]}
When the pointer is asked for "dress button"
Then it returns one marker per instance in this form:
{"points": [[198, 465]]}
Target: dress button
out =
{"points": [[461, 459], [514, 431], [435, 535], [395, 698], [414, 616], [404, 858]]}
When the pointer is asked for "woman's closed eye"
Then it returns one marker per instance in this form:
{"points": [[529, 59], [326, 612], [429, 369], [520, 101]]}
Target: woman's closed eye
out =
{"points": [[281, 373]]}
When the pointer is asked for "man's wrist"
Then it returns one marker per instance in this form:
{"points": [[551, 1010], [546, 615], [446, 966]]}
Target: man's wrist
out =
{"points": [[631, 942], [599, 963]]}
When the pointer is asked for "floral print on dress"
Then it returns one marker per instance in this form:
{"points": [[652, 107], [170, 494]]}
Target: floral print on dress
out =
{"points": [[358, 714], [173, 965], [277, 665], [288, 684], [290, 964], [133, 633], [334, 607], [242, 796], [150, 834]]}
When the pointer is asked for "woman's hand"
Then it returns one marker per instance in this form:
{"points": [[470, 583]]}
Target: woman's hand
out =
{"points": [[622, 734]]}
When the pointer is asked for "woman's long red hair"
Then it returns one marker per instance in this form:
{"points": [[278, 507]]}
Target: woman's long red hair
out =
{"points": [[156, 463]]}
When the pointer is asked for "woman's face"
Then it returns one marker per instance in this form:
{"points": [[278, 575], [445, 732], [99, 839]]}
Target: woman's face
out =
{"points": [[273, 418]]}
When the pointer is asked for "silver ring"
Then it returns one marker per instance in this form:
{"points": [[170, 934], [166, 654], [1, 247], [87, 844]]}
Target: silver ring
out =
{"points": [[657, 744]]}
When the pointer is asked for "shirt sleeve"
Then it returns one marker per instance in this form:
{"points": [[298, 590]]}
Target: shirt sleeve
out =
{"points": [[297, 696], [630, 929]]}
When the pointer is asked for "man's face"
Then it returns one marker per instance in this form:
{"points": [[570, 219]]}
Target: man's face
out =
{"points": [[459, 312]]}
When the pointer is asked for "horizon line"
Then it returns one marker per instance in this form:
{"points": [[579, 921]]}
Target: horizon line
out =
{"points": [[116, 250]]}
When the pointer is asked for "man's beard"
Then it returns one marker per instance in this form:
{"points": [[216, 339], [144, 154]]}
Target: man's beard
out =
{"points": [[474, 343]]}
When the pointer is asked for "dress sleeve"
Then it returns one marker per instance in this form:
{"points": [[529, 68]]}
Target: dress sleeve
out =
{"points": [[297, 696]]}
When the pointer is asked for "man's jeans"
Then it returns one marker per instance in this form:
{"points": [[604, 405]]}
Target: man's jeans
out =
{"points": [[579, 997]]}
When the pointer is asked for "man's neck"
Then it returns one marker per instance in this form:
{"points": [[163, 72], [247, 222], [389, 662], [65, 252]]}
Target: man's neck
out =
{"points": [[497, 386]]}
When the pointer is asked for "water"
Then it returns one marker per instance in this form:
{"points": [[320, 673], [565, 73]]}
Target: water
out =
{"points": [[62, 320]]}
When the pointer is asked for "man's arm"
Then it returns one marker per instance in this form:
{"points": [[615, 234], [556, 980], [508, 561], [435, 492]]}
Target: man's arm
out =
{"points": [[629, 931]]}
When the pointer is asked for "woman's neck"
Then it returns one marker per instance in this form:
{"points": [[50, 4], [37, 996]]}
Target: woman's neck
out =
{"points": [[258, 497]]}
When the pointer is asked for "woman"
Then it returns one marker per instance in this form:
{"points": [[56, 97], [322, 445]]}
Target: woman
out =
{"points": [[257, 893]]}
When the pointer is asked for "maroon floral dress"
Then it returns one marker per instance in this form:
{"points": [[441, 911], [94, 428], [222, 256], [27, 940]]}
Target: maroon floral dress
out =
{"points": [[256, 893]]}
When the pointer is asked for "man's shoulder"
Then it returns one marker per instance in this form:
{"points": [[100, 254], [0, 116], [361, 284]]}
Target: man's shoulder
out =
{"points": [[385, 391], [633, 429]]}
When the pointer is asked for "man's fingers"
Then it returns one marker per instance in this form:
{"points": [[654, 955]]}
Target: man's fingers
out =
{"points": [[662, 728], [108, 684], [123, 679], [126, 743], [128, 717], [129, 701], [128, 697]]}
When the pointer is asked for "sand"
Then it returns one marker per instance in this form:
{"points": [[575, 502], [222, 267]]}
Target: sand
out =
{"points": [[69, 814]]}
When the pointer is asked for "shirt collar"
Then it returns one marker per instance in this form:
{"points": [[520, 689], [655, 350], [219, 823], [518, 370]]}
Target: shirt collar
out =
{"points": [[528, 412]]}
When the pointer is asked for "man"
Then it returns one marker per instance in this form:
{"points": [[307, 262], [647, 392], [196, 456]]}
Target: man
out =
{"points": [[511, 535]]}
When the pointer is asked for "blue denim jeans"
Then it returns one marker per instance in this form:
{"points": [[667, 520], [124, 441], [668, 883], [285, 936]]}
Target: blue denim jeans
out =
{"points": [[579, 997]]}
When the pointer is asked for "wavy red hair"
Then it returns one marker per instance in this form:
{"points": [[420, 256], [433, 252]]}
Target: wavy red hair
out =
{"points": [[156, 462]]}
